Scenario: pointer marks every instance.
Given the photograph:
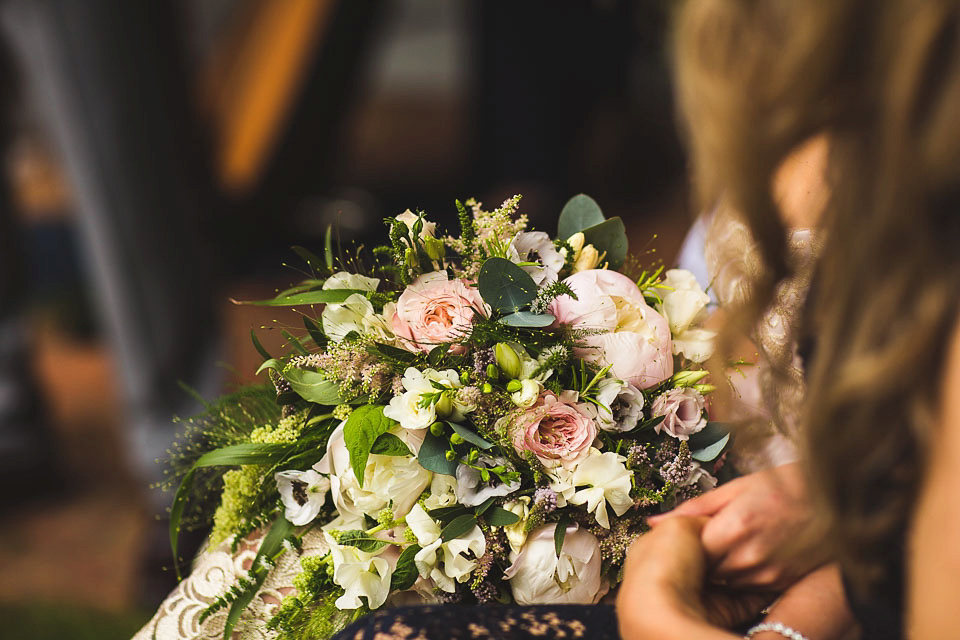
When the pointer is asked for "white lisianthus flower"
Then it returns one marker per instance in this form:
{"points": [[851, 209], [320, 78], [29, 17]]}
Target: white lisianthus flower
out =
{"points": [[473, 491], [620, 405], [684, 306], [528, 395], [356, 313], [536, 246], [303, 493], [539, 576], [605, 481], [346, 280], [409, 218], [516, 532], [361, 574], [458, 556], [443, 492], [395, 481], [407, 408]]}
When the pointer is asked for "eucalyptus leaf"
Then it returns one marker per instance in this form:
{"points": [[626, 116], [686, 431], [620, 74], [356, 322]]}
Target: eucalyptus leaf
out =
{"points": [[390, 445], [272, 543], [433, 455], [319, 296], [363, 427], [500, 517], [406, 572], [458, 526], [711, 452], [528, 319], [710, 434], [309, 385], [581, 212], [469, 435], [610, 237], [505, 286]]}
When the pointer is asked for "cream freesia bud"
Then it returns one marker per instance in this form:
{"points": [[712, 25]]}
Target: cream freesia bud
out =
{"points": [[444, 406], [587, 258], [576, 242], [508, 360]]}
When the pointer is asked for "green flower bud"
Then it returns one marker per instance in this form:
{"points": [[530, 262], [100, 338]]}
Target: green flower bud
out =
{"points": [[689, 378], [705, 388], [456, 438], [464, 377], [437, 428], [444, 405], [492, 372], [484, 475], [450, 455], [508, 360], [434, 247], [487, 388], [473, 455], [514, 385]]}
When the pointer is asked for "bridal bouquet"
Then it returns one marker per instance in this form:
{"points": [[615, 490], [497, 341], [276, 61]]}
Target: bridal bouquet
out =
{"points": [[481, 417]]}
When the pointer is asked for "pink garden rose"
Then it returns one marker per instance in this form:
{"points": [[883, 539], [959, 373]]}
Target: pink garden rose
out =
{"points": [[433, 310], [554, 431], [628, 334], [682, 410]]}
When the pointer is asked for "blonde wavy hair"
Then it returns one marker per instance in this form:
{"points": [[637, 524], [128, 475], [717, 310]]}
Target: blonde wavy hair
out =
{"points": [[755, 78]]}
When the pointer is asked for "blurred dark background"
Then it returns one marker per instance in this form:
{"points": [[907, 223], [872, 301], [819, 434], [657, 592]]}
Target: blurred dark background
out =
{"points": [[160, 158]]}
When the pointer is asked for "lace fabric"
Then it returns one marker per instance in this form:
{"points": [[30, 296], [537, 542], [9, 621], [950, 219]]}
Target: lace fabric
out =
{"points": [[214, 572]]}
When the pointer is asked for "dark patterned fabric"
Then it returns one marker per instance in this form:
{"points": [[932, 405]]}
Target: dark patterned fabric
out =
{"points": [[461, 622]]}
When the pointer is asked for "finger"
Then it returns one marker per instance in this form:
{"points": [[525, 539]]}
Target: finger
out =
{"points": [[723, 533], [704, 505]]}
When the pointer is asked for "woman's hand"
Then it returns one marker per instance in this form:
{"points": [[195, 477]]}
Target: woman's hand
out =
{"points": [[753, 520], [662, 594]]}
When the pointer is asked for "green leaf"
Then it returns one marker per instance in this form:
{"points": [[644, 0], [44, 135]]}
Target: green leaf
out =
{"points": [[390, 445], [328, 248], [528, 319], [308, 256], [406, 572], [435, 357], [259, 347], [271, 546], [309, 385], [559, 534], [238, 454], [361, 540], [500, 517], [363, 427], [390, 351], [710, 434], [320, 296], [581, 212], [458, 526], [609, 236], [294, 342], [483, 506], [444, 515], [650, 423], [505, 286], [432, 456], [316, 333], [712, 452], [469, 435]]}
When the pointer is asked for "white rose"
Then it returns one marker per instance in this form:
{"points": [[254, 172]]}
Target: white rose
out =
{"points": [[346, 280], [409, 218], [387, 479], [303, 493], [605, 481], [444, 562], [539, 576], [361, 574], [356, 313], [407, 408]]}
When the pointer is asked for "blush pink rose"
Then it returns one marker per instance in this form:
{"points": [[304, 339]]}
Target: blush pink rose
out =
{"points": [[623, 330], [433, 310], [682, 411], [554, 431]]}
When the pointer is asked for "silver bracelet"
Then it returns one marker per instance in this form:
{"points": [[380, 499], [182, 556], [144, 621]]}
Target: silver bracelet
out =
{"points": [[776, 627]]}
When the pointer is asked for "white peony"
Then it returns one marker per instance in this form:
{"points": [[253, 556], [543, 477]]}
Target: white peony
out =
{"points": [[684, 306], [361, 574], [458, 557], [539, 576], [408, 408], [303, 493], [394, 481], [603, 480]]}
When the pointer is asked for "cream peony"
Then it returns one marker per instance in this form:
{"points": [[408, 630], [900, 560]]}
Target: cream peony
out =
{"points": [[433, 310], [361, 574], [539, 576], [623, 331], [396, 480]]}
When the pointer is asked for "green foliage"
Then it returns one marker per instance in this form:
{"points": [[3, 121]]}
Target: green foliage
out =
{"points": [[309, 385], [505, 286], [406, 572], [432, 456], [363, 427], [361, 540], [528, 319], [610, 237], [306, 298], [458, 526], [469, 435], [500, 517], [581, 212], [390, 445], [707, 444]]}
